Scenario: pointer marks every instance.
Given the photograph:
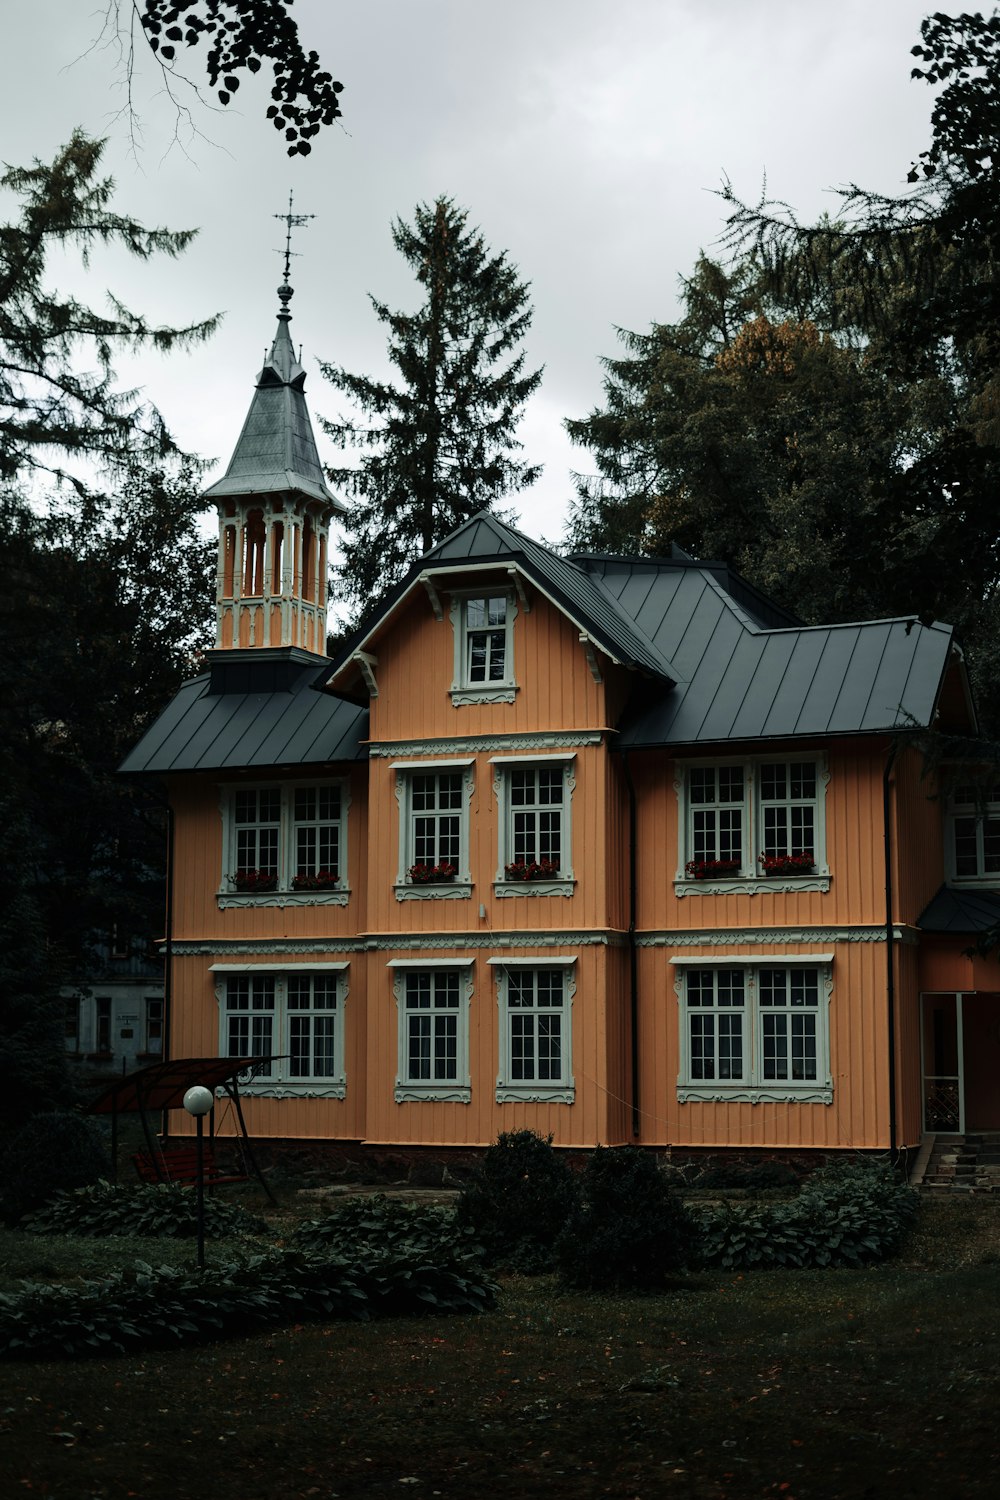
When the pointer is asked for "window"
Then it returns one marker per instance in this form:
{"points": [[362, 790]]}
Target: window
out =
{"points": [[484, 648], [759, 823], [535, 1034], [433, 1005], [102, 1024], [533, 794], [71, 1024], [154, 1024], [433, 799], [974, 834], [754, 1033], [292, 1017], [285, 845]]}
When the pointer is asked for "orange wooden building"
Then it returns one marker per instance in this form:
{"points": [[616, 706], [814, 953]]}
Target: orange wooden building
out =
{"points": [[611, 848]]}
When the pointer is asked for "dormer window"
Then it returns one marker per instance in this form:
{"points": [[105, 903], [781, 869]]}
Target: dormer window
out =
{"points": [[484, 648]]}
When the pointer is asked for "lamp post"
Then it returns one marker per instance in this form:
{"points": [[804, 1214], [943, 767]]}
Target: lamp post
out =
{"points": [[198, 1101]]}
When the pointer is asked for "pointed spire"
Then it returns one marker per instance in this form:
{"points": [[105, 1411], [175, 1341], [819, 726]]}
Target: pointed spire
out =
{"points": [[275, 508]]}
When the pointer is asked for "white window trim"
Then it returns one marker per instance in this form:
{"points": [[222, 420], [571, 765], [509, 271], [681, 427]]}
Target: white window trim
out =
{"points": [[565, 883], [284, 895], [280, 1086], [989, 880], [818, 1090], [562, 1091], [453, 890], [751, 880], [464, 692], [408, 1091]]}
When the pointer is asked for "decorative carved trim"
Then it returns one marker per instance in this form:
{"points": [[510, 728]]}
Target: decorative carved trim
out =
{"points": [[590, 654], [816, 1095], [496, 941], [447, 890], [534, 1093], [412, 1093], [751, 885], [283, 898], [533, 887], [417, 942], [433, 595], [460, 697], [459, 744], [231, 947], [294, 1091], [731, 937]]}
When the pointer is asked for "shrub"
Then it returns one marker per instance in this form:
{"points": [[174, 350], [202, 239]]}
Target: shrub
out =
{"points": [[848, 1214], [630, 1228], [373, 1221], [50, 1153], [518, 1200], [150, 1307], [164, 1211]]}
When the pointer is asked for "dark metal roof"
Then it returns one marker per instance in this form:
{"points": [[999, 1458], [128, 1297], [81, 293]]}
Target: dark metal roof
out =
{"points": [[276, 451], [745, 684], [961, 912], [255, 708], [484, 539]]}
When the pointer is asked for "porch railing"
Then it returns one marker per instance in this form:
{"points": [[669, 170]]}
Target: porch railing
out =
{"points": [[942, 1104]]}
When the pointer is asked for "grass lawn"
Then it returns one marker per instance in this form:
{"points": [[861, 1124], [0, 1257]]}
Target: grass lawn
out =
{"points": [[791, 1384]]}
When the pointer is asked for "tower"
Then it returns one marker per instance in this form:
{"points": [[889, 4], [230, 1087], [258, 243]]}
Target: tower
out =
{"points": [[274, 513]]}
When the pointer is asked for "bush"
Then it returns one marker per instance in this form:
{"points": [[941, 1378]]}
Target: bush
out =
{"points": [[164, 1211], [375, 1222], [149, 1307], [630, 1228], [51, 1153], [849, 1214], [518, 1201]]}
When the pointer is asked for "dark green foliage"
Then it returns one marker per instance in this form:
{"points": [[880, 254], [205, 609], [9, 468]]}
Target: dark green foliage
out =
{"points": [[238, 35], [52, 1152], [165, 1211], [441, 442], [50, 410], [34, 1072], [159, 1307], [849, 1214], [129, 575], [518, 1201], [630, 1229], [375, 1221]]}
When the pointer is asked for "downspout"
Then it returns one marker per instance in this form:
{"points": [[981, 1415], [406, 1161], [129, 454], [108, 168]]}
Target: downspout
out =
{"points": [[633, 957], [168, 934], [890, 987]]}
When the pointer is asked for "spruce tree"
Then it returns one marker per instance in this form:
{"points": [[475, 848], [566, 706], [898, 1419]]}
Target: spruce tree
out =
{"points": [[437, 444]]}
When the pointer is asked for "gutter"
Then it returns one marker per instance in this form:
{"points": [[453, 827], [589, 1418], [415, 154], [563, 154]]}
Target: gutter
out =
{"points": [[633, 957]]}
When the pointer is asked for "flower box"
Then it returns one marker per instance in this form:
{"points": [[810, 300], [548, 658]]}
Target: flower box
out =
{"points": [[432, 874], [252, 881], [788, 864], [536, 869], [712, 869], [322, 880]]}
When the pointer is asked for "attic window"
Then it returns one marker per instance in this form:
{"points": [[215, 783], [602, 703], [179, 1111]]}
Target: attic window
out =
{"points": [[484, 648]]}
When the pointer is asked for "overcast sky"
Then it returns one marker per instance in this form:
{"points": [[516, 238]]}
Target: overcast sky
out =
{"points": [[585, 137]]}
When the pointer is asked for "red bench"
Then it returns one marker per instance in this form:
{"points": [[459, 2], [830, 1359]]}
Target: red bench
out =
{"points": [[180, 1164]]}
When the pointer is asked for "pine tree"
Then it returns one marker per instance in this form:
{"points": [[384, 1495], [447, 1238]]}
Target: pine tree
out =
{"points": [[440, 445], [51, 409]]}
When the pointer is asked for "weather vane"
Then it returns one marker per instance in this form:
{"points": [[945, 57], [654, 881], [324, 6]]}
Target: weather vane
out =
{"points": [[292, 221]]}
